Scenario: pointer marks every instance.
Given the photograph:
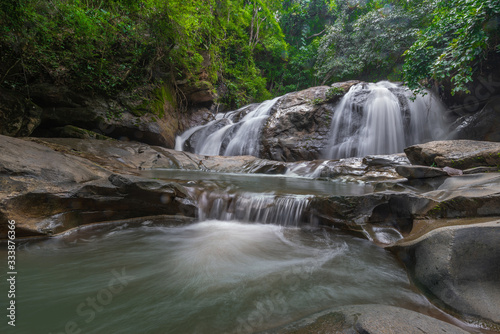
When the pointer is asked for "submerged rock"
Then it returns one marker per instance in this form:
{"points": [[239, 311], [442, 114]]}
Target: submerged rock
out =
{"points": [[420, 172], [370, 319]]}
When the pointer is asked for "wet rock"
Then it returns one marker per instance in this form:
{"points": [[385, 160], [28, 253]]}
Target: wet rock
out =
{"points": [[195, 139], [461, 154], [299, 128], [476, 195], [370, 319], [386, 160], [48, 191], [477, 170], [420, 172], [457, 267], [483, 125], [452, 171], [19, 117], [390, 209], [260, 166], [196, 116]]}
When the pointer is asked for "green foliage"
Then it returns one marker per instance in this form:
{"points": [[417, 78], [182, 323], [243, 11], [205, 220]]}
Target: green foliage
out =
{"points": [[333, 92], [250, 50], [163, 99], [462, 35], [106, 46], [303, 22], [317, 101], [367, 40]]}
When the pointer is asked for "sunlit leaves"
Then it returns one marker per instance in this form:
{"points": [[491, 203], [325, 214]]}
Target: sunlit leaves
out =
{"points": [[461, 36]]}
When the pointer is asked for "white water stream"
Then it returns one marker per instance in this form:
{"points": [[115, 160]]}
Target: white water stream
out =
{"points": [[372, 118], [242, 135], [383, 118]]}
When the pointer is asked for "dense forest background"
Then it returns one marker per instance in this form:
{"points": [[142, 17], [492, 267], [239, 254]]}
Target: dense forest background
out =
{"points": [[243, 50]]}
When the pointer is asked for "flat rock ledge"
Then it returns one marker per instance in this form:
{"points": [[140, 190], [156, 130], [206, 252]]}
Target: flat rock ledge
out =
{"points": [[461, 154], [420, 172], [370, 319], [48, 191]]}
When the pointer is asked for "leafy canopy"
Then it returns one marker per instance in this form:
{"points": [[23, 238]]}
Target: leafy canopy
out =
{"points": [[463, 34]]}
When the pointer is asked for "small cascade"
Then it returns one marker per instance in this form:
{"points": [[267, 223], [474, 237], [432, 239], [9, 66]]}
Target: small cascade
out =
{"points": [[252, 207], [383, 118], [233, 133]]}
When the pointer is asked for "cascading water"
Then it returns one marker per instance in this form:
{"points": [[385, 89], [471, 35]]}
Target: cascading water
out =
{"points": [[383, 118], [372, 118], [252, 207], [228, 134]]}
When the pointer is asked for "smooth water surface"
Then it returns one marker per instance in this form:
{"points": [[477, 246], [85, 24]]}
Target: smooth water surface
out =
{"points": [[262, 183], [209, 277]]}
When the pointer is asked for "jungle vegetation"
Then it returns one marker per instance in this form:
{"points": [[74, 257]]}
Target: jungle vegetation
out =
{"points": [[248, 50]]}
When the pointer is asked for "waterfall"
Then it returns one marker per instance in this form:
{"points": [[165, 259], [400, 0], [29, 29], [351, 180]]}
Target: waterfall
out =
{"points": [[252, 207], [232, 133], [371, 118], [383, 118]]}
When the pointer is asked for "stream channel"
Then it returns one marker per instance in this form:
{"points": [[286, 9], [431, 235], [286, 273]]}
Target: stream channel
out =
{"points": [[249, 265]]}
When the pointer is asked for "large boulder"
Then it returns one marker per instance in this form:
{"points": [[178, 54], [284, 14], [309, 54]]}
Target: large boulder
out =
{"points": [[299, 128], [457, 267], [19, 116], [124, 116], [104, 116], [461, 154], [483, 125], [48, 191], [370, 319]]}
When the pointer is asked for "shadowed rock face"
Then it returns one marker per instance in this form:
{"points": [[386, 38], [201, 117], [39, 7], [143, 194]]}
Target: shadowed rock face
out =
{"points": [[483, 125], [458, 267], [18, 116]]}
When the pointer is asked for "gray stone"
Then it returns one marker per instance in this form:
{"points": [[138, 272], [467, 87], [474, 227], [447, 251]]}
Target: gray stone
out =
{"points": [[461, 154], [298, 129], [370, 319], [483, 125], [457, 266], [386, 160], [48, 190], [477, 170], [453, 171], [420, 172]]}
